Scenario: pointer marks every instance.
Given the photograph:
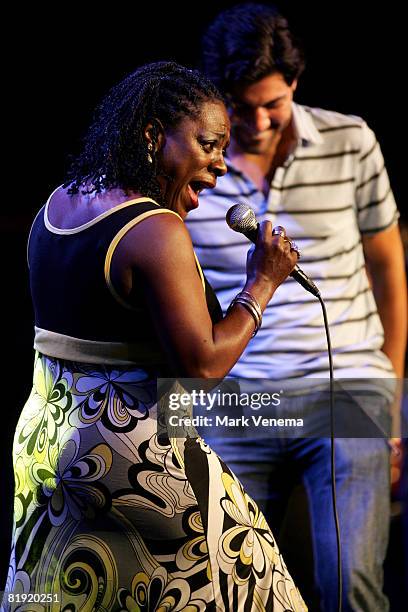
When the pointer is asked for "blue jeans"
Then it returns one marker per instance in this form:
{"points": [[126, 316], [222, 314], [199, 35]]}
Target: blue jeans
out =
{"points": [[271, 470]]}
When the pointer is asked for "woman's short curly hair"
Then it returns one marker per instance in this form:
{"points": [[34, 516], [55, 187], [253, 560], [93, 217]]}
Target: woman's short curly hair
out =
{"points": [[114, 152]]}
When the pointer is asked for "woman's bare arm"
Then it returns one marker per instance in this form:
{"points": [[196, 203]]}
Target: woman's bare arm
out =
{"points": [[160, 249]]}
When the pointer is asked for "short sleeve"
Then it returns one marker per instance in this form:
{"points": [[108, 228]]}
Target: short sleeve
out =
{"points": [[376, 207]]}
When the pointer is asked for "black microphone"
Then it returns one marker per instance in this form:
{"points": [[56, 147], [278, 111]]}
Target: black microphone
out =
{"points": [[241, 218]]}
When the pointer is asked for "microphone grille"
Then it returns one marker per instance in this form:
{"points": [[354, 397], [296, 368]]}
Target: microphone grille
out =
{"points": [[241, 218]]}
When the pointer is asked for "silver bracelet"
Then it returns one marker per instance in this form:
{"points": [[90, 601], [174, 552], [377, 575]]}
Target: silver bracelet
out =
{"points": [[248, 296], [251, 305]]}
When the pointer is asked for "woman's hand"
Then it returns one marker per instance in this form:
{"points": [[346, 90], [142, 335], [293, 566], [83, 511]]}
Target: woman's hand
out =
{"points": [[269, 262]]}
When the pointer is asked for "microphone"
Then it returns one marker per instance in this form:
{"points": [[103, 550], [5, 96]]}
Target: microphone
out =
{"points": [[241, 218]]}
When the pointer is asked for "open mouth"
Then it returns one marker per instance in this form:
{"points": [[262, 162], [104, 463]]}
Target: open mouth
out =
{"points": [[198, 186], [195, 188]]}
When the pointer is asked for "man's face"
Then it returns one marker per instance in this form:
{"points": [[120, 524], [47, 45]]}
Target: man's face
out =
{"points": [[260, 112]]}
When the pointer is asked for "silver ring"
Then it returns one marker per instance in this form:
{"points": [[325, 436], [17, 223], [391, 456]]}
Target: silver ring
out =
{"points": [[279, 231], [294, 247]]}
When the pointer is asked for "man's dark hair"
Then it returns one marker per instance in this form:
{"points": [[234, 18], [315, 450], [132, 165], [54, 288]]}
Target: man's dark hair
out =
{"points": [[114, 150], [247, 43]]}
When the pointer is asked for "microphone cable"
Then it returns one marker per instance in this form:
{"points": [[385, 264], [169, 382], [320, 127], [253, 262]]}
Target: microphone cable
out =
{"points": [[333, 456]]}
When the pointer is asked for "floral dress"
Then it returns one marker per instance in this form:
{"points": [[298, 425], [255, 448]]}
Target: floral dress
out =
{"points": [[111, 517]]}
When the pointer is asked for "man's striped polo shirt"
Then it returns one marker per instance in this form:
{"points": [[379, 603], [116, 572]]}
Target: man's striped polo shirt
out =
{"points": [[333, 189]]}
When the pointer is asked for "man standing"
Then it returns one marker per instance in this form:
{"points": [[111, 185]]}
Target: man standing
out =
{"points": [[321, 175]]}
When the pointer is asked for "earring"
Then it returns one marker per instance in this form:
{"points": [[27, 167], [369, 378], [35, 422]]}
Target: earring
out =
{"points": [[149, 149]]}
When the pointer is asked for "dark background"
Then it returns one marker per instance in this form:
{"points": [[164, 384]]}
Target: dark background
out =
{"points": [[61, 61]]}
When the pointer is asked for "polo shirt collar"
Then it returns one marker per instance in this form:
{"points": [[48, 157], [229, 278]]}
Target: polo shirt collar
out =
{"points": [[304, 125]]}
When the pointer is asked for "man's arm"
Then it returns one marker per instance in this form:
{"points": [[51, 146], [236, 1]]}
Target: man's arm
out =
{"points": [[384, 256]]}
